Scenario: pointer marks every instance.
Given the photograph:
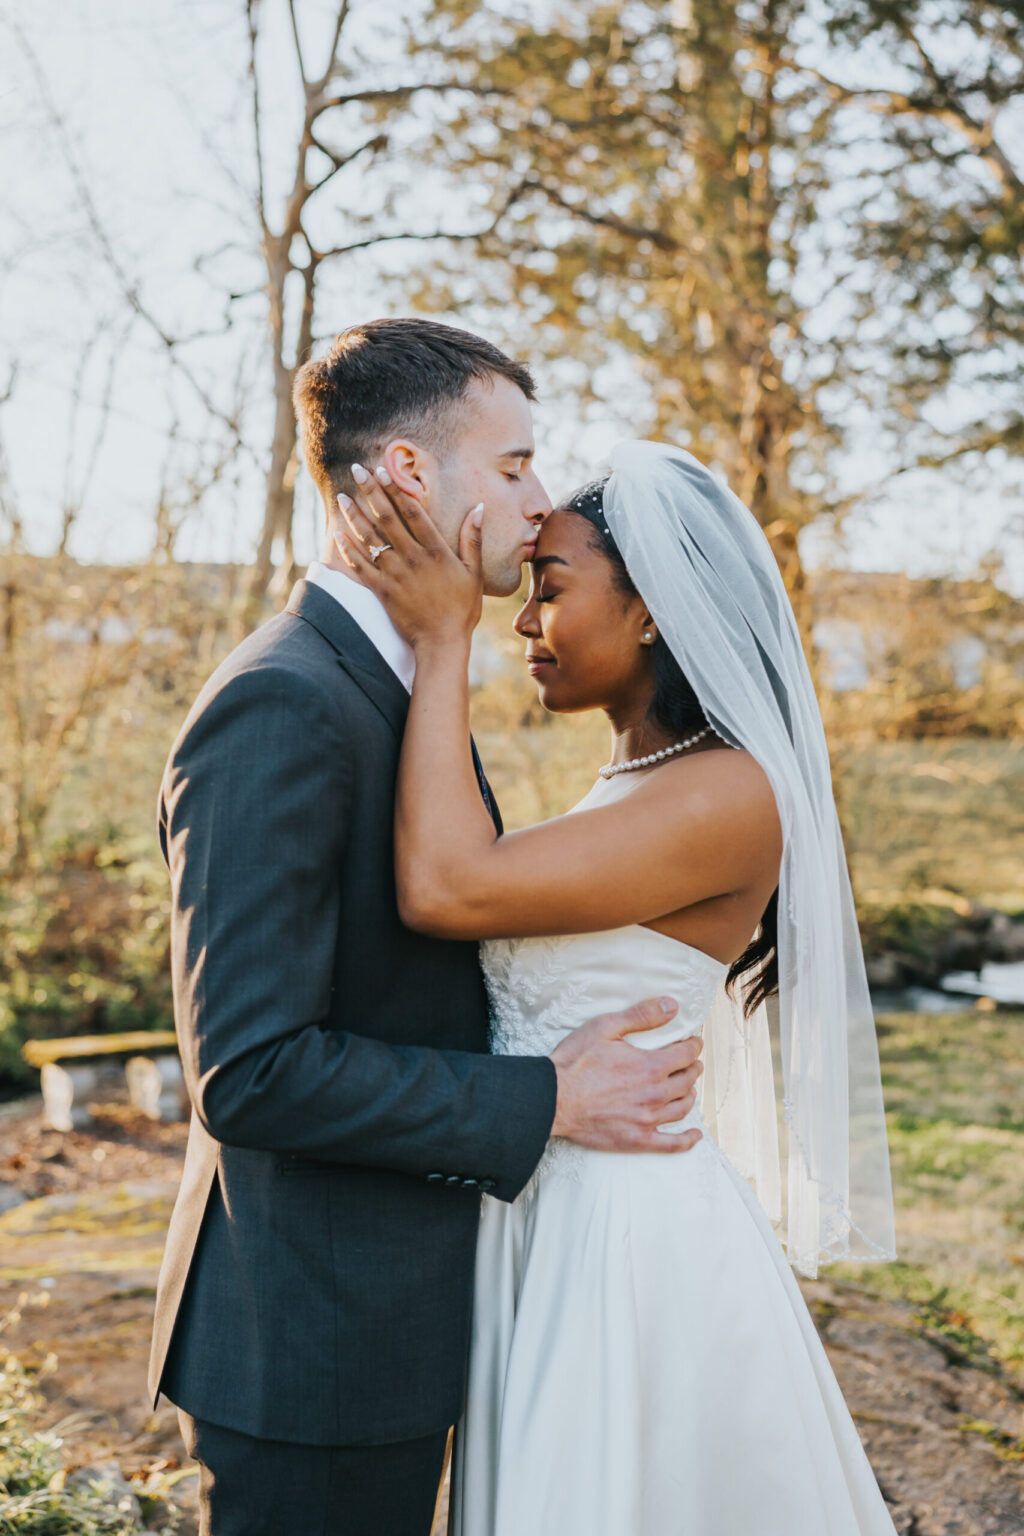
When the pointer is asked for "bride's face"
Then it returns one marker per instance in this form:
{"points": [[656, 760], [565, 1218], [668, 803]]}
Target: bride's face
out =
{"points": [[584, 636]]}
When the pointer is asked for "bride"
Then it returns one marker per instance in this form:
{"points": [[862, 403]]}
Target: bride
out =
{"points": [[642, 1361]]}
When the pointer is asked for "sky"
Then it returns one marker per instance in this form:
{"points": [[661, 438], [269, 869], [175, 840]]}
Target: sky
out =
{"points": [[150, 105]]}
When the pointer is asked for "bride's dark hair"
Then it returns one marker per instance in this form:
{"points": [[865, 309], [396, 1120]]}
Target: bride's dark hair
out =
{"points": [[677, 710]]}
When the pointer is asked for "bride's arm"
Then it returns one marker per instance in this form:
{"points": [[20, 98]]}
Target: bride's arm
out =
{"points": [[696, 828]]}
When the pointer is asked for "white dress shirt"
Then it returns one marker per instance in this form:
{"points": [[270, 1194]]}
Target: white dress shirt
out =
{"points": [[372, 617]]}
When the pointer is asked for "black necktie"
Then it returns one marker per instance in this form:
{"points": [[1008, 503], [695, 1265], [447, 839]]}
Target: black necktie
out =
{"points": [[485, 790]]}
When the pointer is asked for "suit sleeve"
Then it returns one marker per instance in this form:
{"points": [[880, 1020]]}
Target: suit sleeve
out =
{"points": [[254, 817]]}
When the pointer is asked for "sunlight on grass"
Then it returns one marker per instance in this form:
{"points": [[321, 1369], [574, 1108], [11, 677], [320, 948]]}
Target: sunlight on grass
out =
{"points": [[954, 1091], [942, 815]]}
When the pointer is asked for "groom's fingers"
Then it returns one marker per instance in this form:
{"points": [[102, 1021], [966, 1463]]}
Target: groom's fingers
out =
{"points": [[646, 1015], [680, 1059], [673, 1097], [682, 1095], [678, 1141]]}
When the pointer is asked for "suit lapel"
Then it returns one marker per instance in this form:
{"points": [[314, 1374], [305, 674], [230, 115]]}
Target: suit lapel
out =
{"points": [[357, 654], [367, 667]]}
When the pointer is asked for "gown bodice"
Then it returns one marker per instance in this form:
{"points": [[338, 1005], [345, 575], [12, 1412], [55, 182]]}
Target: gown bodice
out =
{"points": [[540, 989]]}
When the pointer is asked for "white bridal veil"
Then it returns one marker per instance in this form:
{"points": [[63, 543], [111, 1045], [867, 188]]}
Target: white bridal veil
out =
{"points": [[705, 570]]}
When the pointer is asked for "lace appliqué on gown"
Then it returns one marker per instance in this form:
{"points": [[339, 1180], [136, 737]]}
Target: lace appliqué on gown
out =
{"points": [[521, 1026]]}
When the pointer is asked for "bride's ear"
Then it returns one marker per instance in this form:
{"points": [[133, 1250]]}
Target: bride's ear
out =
{"points": [[648, 631]]}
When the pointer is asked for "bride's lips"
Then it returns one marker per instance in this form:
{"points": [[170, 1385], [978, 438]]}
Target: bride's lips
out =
{"points": [[537, 664]]}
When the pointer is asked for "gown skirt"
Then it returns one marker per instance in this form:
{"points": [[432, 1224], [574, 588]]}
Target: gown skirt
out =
{"points": [[642, 1362]]}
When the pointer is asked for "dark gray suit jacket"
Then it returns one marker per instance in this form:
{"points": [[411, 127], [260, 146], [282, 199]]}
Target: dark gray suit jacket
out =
{"points": [[346, 1115]]}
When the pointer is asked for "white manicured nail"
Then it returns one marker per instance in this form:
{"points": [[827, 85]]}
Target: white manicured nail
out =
{"points": [[383, 476], [359, 474], [344, 502]]}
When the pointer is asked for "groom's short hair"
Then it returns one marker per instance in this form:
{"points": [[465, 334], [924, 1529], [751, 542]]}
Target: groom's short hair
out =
{"points": [[390, 378]]}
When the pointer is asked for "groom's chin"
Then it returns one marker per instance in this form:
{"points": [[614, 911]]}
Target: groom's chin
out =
{"points": [[503, 583]]}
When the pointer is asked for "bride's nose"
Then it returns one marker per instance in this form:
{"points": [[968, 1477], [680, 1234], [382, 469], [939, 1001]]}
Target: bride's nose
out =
{"points": [[525, 622]]}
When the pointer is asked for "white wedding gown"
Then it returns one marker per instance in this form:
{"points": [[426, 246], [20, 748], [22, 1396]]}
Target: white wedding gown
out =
{"points": [[642, 1361]]}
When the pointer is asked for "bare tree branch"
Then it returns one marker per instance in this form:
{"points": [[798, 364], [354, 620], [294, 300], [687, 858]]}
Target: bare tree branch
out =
{"points": [[657, 237], [253, 25], [399, 95], [980, 135], [73, 497], [298, 45], [373, 146], [896, 103], [129, 289], [332, 56]]}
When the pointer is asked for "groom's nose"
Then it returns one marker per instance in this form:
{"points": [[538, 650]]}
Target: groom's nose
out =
{"points": [[538, 501]]}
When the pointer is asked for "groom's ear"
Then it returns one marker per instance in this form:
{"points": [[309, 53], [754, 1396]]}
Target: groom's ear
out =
{"points": [[410, 467]]}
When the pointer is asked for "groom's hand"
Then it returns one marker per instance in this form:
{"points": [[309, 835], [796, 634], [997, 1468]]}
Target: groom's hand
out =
{"points": [[613, 1096]]}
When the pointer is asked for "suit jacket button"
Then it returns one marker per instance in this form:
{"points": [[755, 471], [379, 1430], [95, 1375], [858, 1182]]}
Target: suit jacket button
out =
{"points": [[471, 1183], [454, 1178], [487, 1183], [435, 1178]]}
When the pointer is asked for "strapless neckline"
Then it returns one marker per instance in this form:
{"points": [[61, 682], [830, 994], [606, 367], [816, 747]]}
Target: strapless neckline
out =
{"points": [[541, 987], [610, 933], [701, 954]]}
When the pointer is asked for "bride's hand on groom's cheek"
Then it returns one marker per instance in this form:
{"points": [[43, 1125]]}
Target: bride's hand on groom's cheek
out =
{"points": [[393, 547]]}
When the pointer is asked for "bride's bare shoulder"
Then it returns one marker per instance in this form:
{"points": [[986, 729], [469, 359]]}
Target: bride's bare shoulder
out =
{"points": [[723, 766], [720, 786]]}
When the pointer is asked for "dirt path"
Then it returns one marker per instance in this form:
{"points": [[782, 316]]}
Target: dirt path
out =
{"points": [[78, 1262]]}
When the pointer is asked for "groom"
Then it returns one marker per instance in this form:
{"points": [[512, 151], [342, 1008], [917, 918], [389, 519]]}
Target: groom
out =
{"points": [[313, 1309]]}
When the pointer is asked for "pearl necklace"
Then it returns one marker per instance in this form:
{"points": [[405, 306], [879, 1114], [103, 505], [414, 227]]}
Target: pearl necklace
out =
{"points": [[611, 769]]}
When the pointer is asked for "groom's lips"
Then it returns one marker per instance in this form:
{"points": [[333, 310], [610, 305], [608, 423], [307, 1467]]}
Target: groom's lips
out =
{"points": [[537, 664]]}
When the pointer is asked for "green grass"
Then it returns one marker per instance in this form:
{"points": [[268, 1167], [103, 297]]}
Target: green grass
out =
{"points": [[944, 817], [954, 1092], [36, 1498]]}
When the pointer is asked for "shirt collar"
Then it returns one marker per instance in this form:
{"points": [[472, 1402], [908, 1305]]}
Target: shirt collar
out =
{"points": [[366, 608]]}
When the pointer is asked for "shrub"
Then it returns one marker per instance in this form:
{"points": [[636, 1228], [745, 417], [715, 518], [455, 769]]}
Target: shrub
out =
{"points": [[36, 1496], [83, 949]]}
